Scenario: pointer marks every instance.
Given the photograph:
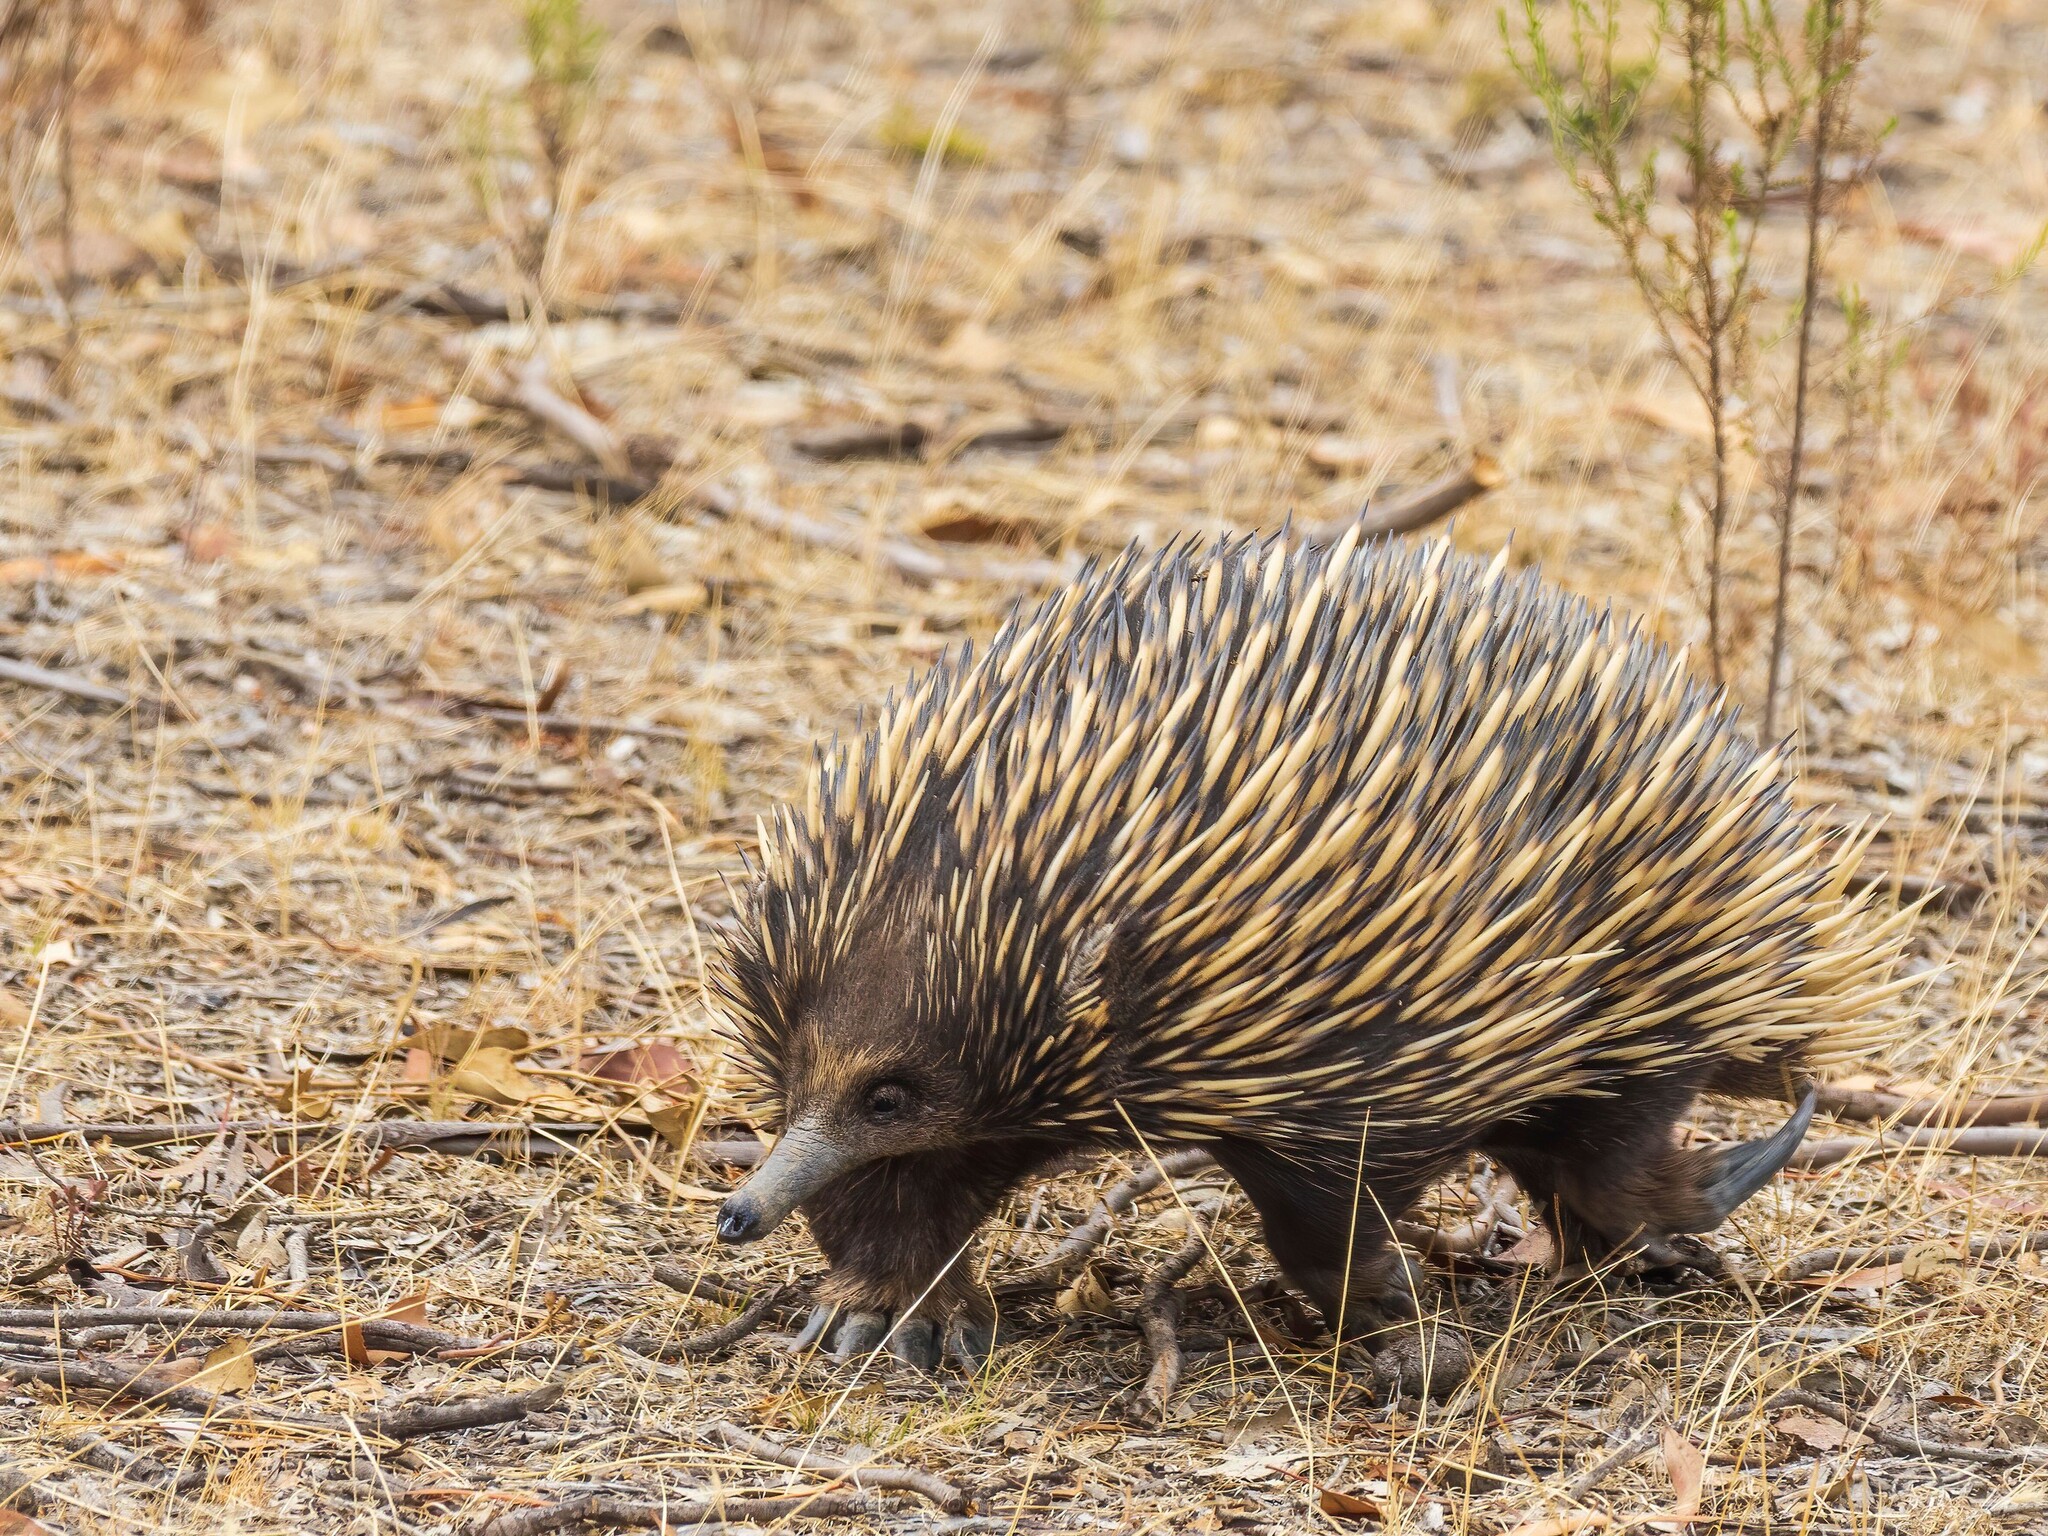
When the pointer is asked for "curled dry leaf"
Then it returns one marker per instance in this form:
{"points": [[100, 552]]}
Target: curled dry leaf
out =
{"points": [[451, 1042], [1814, 1432], [1349, 1506], [1086, 1296], [492, 1075], [1568, 1524], [231, 1367], [645, 1064], [1687, 1468]]}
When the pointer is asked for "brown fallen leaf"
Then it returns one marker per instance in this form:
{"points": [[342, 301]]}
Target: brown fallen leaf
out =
{"points": [[14, 1011], [1349, 1506], [1687, 1468], [1568, 1524], [1815, 1432], [14, 1523], [489, 1073], [408, 1309], [646, 1063], [1085, 1295], [450, 1042], [229, 1368]]}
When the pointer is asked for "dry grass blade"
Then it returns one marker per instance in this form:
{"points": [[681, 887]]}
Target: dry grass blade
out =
{"points": [[862, 1474]]}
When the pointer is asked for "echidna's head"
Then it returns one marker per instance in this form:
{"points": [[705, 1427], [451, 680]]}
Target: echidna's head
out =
{"points": [[907, 1019]]}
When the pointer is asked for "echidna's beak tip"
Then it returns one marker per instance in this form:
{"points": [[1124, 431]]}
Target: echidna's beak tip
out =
{"points": [[739, 1220]]}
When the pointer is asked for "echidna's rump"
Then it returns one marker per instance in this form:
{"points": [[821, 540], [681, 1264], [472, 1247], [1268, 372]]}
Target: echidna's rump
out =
{"points": [[1291, 851]]}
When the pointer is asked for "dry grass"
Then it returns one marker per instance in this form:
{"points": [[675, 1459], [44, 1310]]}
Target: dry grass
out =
{"points": [[1292, 256]]}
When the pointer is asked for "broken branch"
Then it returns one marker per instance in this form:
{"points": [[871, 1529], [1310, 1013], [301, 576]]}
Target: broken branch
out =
{"points": [[1982, 1141], [1159, 1316], [862, 1474], [1832, 1261], [1985, 1109], [1086, 1236], [660, 1514]]}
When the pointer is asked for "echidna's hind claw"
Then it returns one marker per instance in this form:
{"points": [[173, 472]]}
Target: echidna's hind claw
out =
{"points": [[1739, 1171]]}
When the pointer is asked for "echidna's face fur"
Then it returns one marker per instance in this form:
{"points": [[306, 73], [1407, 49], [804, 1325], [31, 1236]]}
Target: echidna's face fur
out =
{"points": [[880, 1048]]}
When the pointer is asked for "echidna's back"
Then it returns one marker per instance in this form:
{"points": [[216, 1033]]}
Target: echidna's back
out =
{"points": [[1368, 821]]}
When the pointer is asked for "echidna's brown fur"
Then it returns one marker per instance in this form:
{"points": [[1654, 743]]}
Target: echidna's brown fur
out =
{"points": [[1295, 852]]}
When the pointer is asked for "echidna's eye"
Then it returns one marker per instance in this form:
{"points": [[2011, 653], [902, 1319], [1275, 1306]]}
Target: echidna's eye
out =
{"points": [[885, 1102]]}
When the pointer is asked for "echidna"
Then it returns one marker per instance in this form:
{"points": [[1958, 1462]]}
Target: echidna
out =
{"points": [[1338, 861]]}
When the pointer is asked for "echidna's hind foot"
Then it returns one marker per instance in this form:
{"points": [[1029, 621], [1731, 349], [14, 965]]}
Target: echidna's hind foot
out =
{"points": [[1637, 1198], [1332, 1235], [1727, 1176]]}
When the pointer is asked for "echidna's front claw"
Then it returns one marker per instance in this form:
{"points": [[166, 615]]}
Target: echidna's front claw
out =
{"points": [[859, 1335], [915, 1342], [822, 1318], [968, 1342]]}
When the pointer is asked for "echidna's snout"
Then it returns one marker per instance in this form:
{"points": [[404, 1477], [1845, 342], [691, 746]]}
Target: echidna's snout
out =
{"points": [[803, 1162]]}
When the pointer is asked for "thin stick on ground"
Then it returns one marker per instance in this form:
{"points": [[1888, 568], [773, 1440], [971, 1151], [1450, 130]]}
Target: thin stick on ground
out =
{"points": [[1987, 1109], [713, 1341], [862, 1474], [1838, 1261], [70, 684], [1086, 1236], [658, 1514], [377, 1332], [1980, 1141], [1912, 1445], [405, 1421], [1159, 1316]]}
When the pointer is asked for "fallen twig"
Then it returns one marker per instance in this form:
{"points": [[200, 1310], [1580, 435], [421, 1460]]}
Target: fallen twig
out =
{"points": [[18, 1492], [1159, 1316], [1631, 1450], [907, 558], [410, 1421], [1981, 1141], [862, 1474], [1832, 1261], [1984, 1109], [611, 1509], [460, 1137], [527, 388], [1912, 1445], [711, 1340], [377, 1332], [67, 683], [1431, 504], [1086, 1236], [406, 1421]]}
